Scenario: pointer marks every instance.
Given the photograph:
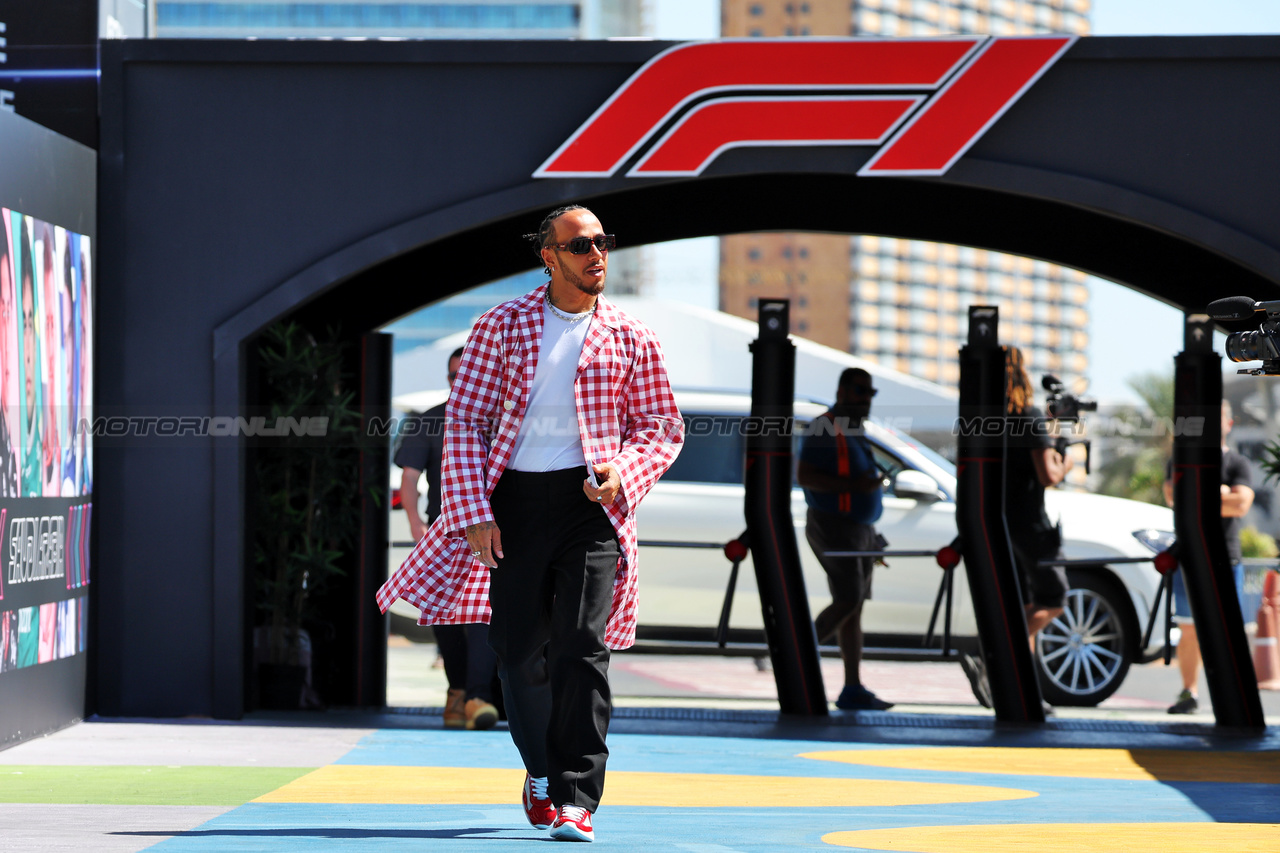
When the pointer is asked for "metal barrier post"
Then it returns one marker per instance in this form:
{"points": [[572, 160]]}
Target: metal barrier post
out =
{"points": [[948, 558], [1202, 544], [988, 554], [736, 551], [793, 642], [1166, 564]]}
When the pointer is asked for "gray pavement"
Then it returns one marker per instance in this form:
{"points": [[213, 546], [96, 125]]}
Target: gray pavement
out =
{"points": [[647, 680], [194, 743], [42, 828]]}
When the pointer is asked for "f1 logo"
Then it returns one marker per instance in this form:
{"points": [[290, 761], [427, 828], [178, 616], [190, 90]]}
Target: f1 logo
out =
{"points": [[924, 102]]}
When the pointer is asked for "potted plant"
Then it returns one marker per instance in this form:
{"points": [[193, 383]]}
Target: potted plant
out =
{"points": [[304, 462]]}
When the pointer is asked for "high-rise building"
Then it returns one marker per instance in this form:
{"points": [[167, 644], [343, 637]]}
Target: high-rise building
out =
{"points": [[451, 19], [630, 270], [902, 303]]}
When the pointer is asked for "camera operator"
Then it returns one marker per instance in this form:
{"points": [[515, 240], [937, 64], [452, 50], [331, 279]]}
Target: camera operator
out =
{"points": [[1032, 464]]}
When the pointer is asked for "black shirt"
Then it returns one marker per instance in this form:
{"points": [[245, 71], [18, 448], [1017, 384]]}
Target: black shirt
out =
{"points": [[1235, 472], [1023, 495], [421, 448]]}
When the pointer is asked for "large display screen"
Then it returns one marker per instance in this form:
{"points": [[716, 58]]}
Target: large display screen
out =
{"points": [[46, 450]]}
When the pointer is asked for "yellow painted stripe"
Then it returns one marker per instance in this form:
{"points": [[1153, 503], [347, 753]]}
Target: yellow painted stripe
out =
{"points": [[1164, 765], [351, 783], [1067, 838]]}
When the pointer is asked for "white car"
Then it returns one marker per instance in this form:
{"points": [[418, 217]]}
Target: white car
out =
{"points": [[1083, 656]]}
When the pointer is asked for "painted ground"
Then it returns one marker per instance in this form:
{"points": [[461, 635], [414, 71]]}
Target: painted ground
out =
{"points": [[249, 788]]}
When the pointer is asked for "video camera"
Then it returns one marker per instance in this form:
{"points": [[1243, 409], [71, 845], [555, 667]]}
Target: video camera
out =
{"points": [[1262, 344], [1062, 406]]}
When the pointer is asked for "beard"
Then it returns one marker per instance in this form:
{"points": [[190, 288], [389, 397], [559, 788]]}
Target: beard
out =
{"points": [[590, 289]]}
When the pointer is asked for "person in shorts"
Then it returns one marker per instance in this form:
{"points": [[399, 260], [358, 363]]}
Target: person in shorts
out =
{"points": [[842, 488], [1237, 497]]}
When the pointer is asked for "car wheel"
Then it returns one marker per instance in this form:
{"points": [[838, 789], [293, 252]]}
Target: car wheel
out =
{"points": [[1083, 655]]}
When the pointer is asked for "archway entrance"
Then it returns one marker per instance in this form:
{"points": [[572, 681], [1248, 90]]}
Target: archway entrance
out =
{"points": [[243, 183]]}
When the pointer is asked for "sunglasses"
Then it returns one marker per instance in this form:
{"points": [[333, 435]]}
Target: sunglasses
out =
{"points": [[582, 245], [863, 390]]}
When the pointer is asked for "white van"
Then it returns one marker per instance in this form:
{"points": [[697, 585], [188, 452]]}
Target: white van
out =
{"points": [[1082, 657]]}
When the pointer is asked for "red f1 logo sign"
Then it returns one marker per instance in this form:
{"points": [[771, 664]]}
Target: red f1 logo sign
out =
{"points": [[924, 102]]}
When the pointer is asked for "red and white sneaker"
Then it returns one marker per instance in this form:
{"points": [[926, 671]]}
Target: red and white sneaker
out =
{"points": [[537, 805], [573, 823]]}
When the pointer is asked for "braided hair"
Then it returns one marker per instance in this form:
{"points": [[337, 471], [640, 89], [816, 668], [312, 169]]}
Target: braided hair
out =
{"points": [[1018, 390], [545, 234]]}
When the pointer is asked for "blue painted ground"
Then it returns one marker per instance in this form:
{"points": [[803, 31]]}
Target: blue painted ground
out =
{"points": [[493, 829]]}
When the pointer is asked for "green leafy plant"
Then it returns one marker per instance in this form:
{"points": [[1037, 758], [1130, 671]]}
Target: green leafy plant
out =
{"points": [[1255, 543], [304, 520], [1270, 461], [1137, 472]]}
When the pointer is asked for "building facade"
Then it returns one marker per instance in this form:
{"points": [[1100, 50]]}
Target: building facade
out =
{"points": [[445, 19], [902, 303], [414, 19]]}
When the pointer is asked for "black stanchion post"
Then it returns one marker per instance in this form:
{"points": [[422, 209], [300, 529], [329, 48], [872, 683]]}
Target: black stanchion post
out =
{"points": [[793, 643], [735, 551], [988, 555], [371, 626], [1202, 543]]}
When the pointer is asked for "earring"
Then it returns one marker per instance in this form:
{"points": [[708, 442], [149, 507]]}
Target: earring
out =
{"points": [[548, 269]]}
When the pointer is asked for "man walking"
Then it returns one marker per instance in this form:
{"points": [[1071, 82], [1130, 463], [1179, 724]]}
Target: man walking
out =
{"points": [[560, 422], [842, 489], [469, 663]]}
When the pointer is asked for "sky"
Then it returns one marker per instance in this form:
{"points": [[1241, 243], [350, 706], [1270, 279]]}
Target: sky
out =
{"points": [[1114, 309], [693, 19]]}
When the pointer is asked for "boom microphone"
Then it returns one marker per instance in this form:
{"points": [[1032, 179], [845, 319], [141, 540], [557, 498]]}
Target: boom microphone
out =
{"points": [[1232, 308]]}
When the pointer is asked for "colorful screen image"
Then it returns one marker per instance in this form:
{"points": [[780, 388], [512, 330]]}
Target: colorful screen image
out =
{"points": [[48, 632], [42, 634], [8, 640], [46, 333], [65, 639], [28, 636], [82, 624]]}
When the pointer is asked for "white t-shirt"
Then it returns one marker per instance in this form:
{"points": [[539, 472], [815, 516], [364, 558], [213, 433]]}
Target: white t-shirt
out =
{"points": [[549, 439]]}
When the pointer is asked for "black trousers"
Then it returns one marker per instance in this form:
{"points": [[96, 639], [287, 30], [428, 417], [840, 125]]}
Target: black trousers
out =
{"points": [[469, 664], [550, 597], [468, 661]]}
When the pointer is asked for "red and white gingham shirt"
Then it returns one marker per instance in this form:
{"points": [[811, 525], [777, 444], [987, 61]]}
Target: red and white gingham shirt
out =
{"points": [[627, 416]]}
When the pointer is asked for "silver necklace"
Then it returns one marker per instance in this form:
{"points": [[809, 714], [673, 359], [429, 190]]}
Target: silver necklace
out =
{"points": [[568, 318]]}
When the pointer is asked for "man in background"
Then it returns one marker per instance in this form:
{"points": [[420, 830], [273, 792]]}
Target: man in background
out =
{"points": [[1237, 497], [469, 664], [842, 490]]}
